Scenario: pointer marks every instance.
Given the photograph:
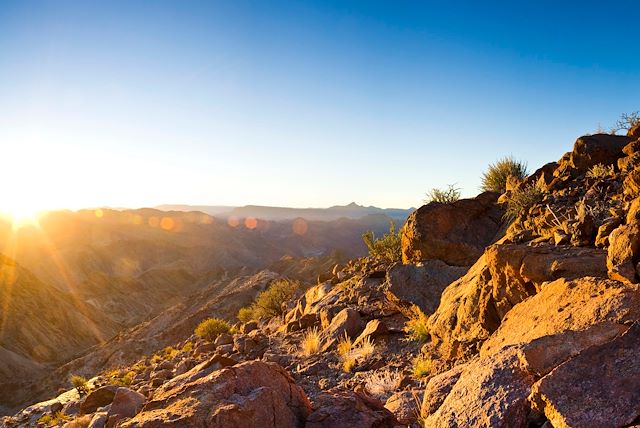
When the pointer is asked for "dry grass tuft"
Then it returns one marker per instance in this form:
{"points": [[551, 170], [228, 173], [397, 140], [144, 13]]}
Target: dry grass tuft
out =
{"points": [[382, 384], [311, 342], [422, 367]]}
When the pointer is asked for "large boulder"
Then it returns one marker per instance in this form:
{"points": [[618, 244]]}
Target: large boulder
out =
{"points": [[404, 406], [597, 388], [490, 392], [455, 233], [250, 394], [347, 321], [98, 398], [591, 150], [126, 404], [564, 305], [420, 285], [346, 409], [473, 307]]}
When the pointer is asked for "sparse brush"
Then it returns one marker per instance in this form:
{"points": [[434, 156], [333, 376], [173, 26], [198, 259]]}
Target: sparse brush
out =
{"points": [[600, 171], [495, 178], [350, 354], [311, 342], [211, 328], [416, 327], [270, 302], [388, 247], [422, 366], [188, 347], [520, 200], [382, 384], [156, 359], [444, 196], [626, 121], [53, 420], [246, 314], [80, 383]]}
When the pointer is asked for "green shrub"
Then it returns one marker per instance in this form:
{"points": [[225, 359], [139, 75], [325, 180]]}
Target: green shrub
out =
{"points": [[444, 196], [495, 178], [80, 383], [269, 303], [422, 366], [522, 199], [388, 247], [246, 314], [53, 420], [211, 328], [416, 327]]}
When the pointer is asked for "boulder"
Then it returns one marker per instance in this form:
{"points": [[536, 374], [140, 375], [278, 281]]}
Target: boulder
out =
{"points": [[563, 306], [252, 394], [634, 132], [490, 392], [346, 321], [98, 398], [126, 404], [624, 253], [99, 420], [455, 233], [542, 177], [591, 150], [223, 339], [404, 406], [346, 409], [473, 307], [373, 328], [597, 388], [420, 285], [248, 327], [631, 183], [437, 389]]}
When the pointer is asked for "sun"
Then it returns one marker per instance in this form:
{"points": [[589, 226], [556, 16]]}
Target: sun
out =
{"points": [[21, 215]]}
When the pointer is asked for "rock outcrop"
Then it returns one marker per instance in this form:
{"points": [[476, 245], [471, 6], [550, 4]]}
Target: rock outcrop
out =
{"points": [[252, 394], [455, 233]]}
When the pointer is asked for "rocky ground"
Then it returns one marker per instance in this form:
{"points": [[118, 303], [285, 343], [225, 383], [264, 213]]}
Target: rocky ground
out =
{"points": [[531, 322]]}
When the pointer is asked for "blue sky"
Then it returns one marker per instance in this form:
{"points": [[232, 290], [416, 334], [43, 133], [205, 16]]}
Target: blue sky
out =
{"points": [[138, 103]]}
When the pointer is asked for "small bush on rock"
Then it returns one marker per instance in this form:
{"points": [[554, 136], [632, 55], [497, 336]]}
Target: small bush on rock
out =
{"points": [[626, 121], [496, 176], [422, 366], [80, 383], [444, 196], [600, 171], [211, 328], [382, 384], [388, 247], [416, 327], [520, 200]]}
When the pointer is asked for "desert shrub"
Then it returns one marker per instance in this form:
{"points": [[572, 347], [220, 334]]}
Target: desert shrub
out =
{"points": [[626, 121], [416, 327], [211, 328], [80, 383], [445, 196], [246, 314], [350, 354], [311, 342], [270, 302], [496, 176], [53, 420], [422, 366], [520, 200], [188, 347], [381, 384], [388, 247], [156, 359], [600, 171]]}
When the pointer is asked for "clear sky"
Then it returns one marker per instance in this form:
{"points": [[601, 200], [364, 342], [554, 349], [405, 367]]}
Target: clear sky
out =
{"points": [[138, 103]]}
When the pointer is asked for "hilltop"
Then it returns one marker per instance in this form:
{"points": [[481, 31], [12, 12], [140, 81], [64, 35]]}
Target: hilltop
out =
{"points": [[517, 308], [351, 211]]}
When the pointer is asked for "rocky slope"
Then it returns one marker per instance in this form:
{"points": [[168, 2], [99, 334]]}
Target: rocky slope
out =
{"points": [[532, 322]]}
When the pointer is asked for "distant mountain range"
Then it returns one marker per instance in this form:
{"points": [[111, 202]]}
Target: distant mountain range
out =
{"points": [[353, 211]]}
